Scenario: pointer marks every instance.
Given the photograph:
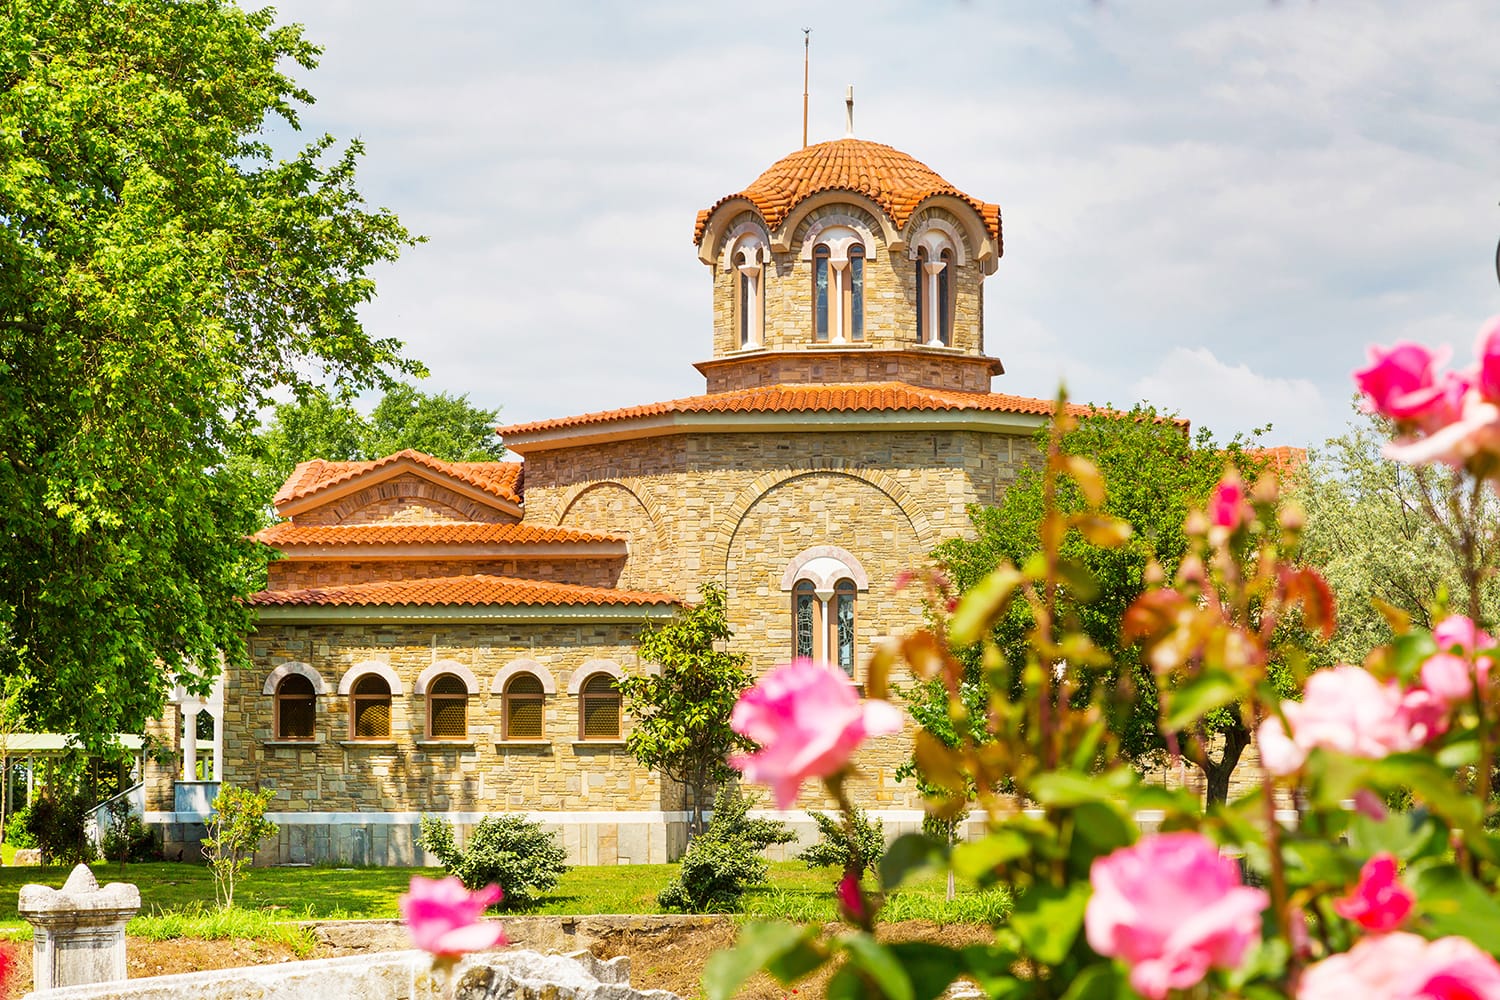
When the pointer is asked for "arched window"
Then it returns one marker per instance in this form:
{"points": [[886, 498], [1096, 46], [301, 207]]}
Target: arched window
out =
{"points": [[447, 708], [804, 619], [945, 300], [749, 302], [599, 709], [841, 628], [824, 583], [935, 260], [854, 295], [922, 258], [523, 708], [296, 708], [821, 256], [370, 709]]}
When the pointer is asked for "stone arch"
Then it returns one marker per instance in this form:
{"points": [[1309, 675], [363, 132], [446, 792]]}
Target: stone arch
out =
{"points": [[647, 541], [808, 559], [933, 223], [589, 669], [441, 667], [749, 232], [782, 238], [294, 667], [382, 670], [837, 220], [514, 667], [767, 481], [980, 245]]}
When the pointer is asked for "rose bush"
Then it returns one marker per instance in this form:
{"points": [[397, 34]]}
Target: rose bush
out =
{"points": [[1353, 896]]}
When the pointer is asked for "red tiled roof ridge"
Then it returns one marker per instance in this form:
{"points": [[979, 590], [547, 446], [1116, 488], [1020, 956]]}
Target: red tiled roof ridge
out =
{"points": [[819, 396], [500, 479], [896, 181], [478, 589], [424, 533]]}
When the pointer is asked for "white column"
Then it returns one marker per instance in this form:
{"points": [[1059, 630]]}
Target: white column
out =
{"points": [[753, 321], [190, 743], [836, 313], [218, 745], [825, 599], [933, 269]]}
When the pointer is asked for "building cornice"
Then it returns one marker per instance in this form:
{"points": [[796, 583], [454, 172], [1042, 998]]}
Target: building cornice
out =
{"points": [[543, 614], [355, 552]]}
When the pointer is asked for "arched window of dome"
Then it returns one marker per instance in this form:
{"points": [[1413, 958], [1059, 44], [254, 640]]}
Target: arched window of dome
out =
{"points": [[821, 258], [747, 257], [936, 259], [824, 583], [838, 253], [854, 295]]}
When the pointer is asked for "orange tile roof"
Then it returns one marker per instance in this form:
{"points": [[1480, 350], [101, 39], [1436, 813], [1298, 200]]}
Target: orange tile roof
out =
{"points": [[441, 533], [817, 397], [894, 180], [466, 591], [501, 479], [1283, 460]]}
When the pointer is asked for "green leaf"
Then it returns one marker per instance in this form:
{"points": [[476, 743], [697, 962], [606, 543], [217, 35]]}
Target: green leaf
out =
{"points": [[846, 984], [931, 967], [1048, 918], [1098, 828], [1102, 981], [1064, 789], [1453, 903], [908, 853], [976, 860], [994, 969], [880, 964], [1197, 696], [1432, 785], [1408, 652], [982, 605], [1407, 835], [759, 947]]}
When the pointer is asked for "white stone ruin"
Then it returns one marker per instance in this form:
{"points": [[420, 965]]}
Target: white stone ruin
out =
{"points": [[79, 929]]}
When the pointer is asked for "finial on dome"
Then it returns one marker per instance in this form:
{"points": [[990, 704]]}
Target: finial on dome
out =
{"points": [[849, 113]]}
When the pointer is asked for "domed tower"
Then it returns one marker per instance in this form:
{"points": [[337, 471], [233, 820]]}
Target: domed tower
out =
{"points": [[849, 261]]}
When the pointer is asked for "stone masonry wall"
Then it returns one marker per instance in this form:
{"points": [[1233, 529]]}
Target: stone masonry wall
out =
{"points": [[404, 499], [595, 571], [934, 367], [336, 774]]}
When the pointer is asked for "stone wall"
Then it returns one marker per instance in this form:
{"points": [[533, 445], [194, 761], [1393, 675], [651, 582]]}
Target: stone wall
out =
{"points": [[404, 499], [932, 367]]}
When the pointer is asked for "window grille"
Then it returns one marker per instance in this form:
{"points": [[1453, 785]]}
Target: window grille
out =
{"points": [[296, 708], [523, 708], [370, 708], [448, 709], [600, 708]]}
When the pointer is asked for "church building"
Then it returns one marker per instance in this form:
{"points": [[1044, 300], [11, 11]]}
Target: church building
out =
{"points": [[444, 638]]}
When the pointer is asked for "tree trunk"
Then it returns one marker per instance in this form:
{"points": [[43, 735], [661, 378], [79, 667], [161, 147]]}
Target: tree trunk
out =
{"points": [[1218, 772]]}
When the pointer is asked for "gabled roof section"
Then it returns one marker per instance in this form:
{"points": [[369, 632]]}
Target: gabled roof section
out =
{"points": [[315, 482], [460, 591], [455, 533], [896, 181], [810, 398]]}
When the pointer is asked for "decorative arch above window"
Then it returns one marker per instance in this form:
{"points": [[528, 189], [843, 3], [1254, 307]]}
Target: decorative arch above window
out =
{"points": [[591, 667], [441, 667], [824, 583], [273, 680], [838, 285], [511, 669], [359, 670], [746, 254]]}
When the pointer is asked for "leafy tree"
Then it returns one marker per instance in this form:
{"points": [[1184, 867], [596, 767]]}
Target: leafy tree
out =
{"points": [[235, 830], [1155, 472], [439, 424], [162, 276], [727, 859], [682, 712], [1385, 532]]}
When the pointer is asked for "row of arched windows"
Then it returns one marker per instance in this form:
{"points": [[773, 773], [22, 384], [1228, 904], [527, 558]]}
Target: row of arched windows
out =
{"points": [[371, 691], [838, 290]]}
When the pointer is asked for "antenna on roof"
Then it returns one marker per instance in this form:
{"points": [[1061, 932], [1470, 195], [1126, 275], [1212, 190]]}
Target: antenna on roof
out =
{"points": [[849, 113], [806, 45]]}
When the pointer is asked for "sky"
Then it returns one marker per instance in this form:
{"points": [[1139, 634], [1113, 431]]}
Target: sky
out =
{"points": [[1209, 205]]}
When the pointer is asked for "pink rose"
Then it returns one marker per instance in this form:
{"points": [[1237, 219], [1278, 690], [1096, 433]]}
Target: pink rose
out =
{"points": [[445, 918], [1487, 348], [1400, 966], [1227, 508], [808, 721], [1378, 902], [850, 898], [1448, 675], [1171, 907], [1346, 709], [1459, 631], [1400, 383], [1454, 438]]}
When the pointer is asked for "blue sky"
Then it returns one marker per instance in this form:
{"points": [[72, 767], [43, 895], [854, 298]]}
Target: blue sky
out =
{"points": [[1210, 205]]}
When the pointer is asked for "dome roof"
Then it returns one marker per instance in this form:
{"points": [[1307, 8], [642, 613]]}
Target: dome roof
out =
{"points": [[894, 180]]}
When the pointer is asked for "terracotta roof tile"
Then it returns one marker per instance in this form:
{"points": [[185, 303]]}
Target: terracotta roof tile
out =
{"points": [[501, 479], [817, 397], [1283, 460], [467, 591], [441, 533], [894, 180]]}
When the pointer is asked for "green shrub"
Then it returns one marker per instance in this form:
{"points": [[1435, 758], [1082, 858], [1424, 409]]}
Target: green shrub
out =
{"points": [[128, 838], [510, 851], [726, 859], [833, 846], [58, 822], [235, 830], [17, 833]]}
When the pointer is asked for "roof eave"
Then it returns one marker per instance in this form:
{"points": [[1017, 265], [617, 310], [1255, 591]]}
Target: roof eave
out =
{"points": [[412, 551], [463, 614]]}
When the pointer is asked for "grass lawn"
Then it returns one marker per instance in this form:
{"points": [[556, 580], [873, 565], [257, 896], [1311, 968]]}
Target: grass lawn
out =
{"points": [[794, 893]]}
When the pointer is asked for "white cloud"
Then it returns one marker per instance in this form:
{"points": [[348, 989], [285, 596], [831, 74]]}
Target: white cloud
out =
{"points": [[1232, 399]]}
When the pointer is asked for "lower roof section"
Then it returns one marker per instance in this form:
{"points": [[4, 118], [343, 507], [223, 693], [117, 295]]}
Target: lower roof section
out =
{"points": [[477, 598]]}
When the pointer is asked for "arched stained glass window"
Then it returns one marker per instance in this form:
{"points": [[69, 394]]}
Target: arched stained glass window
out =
{"points": [[855, 302], [945, 300], [804, 619], [842, 631], [820, 294], [922, 258]]}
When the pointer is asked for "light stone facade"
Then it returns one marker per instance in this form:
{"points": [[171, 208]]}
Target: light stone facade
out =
{"points": [[719, 490]]}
